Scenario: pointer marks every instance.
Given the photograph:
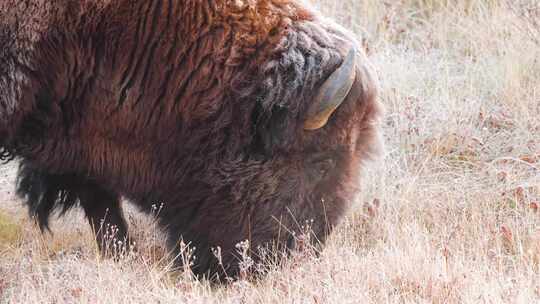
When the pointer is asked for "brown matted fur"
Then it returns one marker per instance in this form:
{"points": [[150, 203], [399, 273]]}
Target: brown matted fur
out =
{"points": [[195, 104]]}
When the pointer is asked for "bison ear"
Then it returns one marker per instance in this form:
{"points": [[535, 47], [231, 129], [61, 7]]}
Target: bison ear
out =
{"points": [[271, 131]]}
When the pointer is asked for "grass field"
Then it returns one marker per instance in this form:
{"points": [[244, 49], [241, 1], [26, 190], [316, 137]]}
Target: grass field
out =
{"points": [[450, 214]]}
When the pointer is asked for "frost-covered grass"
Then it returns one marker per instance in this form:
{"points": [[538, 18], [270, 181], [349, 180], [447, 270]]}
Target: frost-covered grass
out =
{"points": [[451, 214]]}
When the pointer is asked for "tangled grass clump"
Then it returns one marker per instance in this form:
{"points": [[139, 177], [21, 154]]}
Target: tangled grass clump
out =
{"points": [[10, 231]]}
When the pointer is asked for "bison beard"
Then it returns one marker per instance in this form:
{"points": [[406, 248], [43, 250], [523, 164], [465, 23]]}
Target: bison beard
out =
{"points": [[244, 118]]}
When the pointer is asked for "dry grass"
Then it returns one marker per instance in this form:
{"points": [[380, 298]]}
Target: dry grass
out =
{"points": [[454, 206]]}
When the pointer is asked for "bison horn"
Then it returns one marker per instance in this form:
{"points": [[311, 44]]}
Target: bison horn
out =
{"points": [[332, 93]]}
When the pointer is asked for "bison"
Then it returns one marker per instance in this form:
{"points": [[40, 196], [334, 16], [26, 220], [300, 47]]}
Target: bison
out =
{"points": [[244, 118]]}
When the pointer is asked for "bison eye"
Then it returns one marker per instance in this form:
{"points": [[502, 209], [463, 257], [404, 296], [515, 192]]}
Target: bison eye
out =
{"points": [[318, 166], [272, 132]]}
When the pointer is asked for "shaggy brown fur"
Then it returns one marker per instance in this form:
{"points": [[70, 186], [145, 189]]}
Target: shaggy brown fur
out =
{"points": [[195, 104]]}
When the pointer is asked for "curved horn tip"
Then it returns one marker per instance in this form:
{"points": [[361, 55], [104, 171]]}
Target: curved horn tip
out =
{"points": [[332, 93]]}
